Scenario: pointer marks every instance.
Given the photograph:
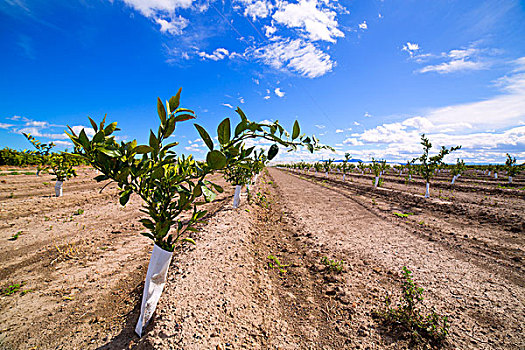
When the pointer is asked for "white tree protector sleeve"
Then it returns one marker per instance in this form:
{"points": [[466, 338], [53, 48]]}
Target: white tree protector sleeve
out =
{"points": [[155, 281], [453, 179], [510, 179], [58, 188], [237, 197], [409, 177], [376, 182], [489, 172], [343, 177], [495, 175], [427, 193]]}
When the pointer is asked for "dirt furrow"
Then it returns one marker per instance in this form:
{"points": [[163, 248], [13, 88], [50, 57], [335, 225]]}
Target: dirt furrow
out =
{"points": [[484, 309]]}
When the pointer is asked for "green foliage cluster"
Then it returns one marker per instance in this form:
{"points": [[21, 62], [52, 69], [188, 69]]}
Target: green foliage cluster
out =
{"points": [[428, 164], [458, 168], [275, 263], [170, 184], [333, 265], [408, 316], [58, 164]]}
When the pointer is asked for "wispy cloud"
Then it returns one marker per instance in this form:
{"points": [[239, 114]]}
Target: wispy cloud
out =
{"points": [[279, 93], [363, 25], [227, 105]]}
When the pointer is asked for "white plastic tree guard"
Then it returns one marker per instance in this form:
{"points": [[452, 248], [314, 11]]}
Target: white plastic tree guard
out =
{"points": [[453, 179], [58, 188], [155, 281], [376, 182], [510, 179], [237, 197], [427, 193]]}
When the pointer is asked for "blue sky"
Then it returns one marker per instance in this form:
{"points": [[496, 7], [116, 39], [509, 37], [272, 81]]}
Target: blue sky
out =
{"points": [[367, 77]]}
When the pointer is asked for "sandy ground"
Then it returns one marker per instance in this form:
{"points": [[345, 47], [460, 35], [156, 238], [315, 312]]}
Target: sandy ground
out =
{"points": [[224, 294]]}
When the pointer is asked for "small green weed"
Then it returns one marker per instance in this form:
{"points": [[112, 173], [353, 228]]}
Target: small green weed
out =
{"points": [[333, 265], [407, 315], [79, 212], [402, 215], [374, 201], [277, 264], [15, 236], [45, 183], [12, 195], [12, 289]]}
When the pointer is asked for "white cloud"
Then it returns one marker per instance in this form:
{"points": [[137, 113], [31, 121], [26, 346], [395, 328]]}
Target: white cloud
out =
{"points": [[320, 126], [267, 97], [278, 92], [256, 81], [453, 66], [456, 60], [172, 26], [411, 48], [338, 131], [241, 100], [356, 124], [78, 128], [363, 25], [227, 105], [353, 142], [163, 12], [256, 9], [379, 15], [269, 31], [296, 55], [150, 8], [315, 20], [367, 115], [217, 55], [5, 125]]}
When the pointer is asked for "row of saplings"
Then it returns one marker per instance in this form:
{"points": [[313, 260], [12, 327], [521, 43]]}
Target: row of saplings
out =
{"points": [[171, 184], [427, 167]]}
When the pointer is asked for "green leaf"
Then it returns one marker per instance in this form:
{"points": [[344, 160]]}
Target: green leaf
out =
{"points": [[99, 137], [205, 136], [147, 234], [223, 131], [93, 124], [161, 111], [170, 128], [208, 194], [147, 224], [296, 130], [83, 139], [124, 197], [110, 128], [240, 127], [241, 114], [189, 240], [153, 141], [110, 152], [101, 178], [175, 100], [273, 151], [184, 117], [158, 173], [142, 149], [216, 159]]}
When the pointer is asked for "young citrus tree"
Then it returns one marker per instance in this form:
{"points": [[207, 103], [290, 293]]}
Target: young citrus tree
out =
{"points": [[327, 165], [59, 164], [344, 165], [378, 166], [43, 151], [457, 169], [428, 164], [511, 167], [170, 184]]}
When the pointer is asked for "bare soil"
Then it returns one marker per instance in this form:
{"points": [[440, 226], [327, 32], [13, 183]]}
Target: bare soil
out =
{"points": [[84, 273]]}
